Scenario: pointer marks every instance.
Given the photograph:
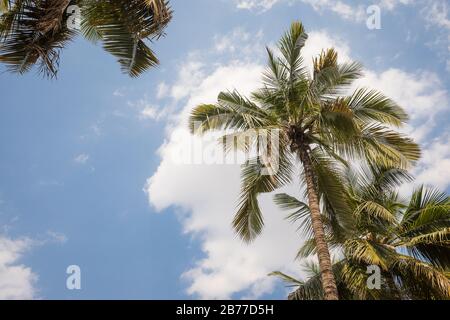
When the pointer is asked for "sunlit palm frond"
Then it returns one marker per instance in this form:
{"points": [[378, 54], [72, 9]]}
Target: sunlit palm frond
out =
{"points": [[290, 281], [290, 47], [424, 228], [368, 252], [372, 106], [258, 176], [330, 77], [231, 112], [373, 210], [382, 146], [4, 5], [421, 279]]}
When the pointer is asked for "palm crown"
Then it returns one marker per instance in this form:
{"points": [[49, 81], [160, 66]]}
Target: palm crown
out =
{"points": [[33, 32], [319, 125], [407, 240]]}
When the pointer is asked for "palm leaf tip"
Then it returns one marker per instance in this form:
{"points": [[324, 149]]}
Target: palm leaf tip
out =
{"points": [[326, 59]]}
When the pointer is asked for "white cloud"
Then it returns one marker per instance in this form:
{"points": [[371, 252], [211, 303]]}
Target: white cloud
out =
{"points": [[82, 158], [256, 4], [321, 40], [208, 194], [162, 90], [437, 13], [344, 9], [232, 41], [16, 280], [392, 4], [434, 167], [152, 113], [190, 76], [148, 111]]}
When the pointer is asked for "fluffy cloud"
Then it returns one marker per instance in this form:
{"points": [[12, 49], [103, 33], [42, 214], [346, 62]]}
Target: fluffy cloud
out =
{"points": [[207, 194], [16, 280], [434, 167], [341, 7]]}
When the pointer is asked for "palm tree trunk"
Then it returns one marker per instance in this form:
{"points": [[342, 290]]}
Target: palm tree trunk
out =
{"points": [[328, 280]]}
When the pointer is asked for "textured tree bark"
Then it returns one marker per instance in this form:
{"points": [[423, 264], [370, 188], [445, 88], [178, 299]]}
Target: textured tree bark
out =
{"points": [[328, 280]]}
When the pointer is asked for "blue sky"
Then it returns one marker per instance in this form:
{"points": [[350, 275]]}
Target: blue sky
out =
{"points": [[86, 175]]}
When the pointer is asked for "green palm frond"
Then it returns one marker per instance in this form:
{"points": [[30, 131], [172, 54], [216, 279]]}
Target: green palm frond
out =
{"points": [[367, 252], [371, 105], [422, 278], [248, 221], [287, 202], [276, 75], [383, 147], [300, 212], [290, 46], [34, 32], [307, 249], [440, 237], [290, 281], [4, 5], [331, 78], [231, 112], [374, 210], [331, 187], [337, 121], [424, 226], [122, 28]]}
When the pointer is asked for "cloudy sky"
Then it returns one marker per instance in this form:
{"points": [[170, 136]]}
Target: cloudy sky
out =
{"points": [[89, 173]]}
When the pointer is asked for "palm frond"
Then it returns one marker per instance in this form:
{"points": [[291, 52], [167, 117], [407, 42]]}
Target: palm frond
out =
{"points": [[34, 33], [371, 105], [422, 279], [290, 281], [248, 221], [232, 111]]}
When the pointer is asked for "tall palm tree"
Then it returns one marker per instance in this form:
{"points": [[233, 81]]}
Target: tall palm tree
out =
{"points": [[318, 125], [33, 32], [409, 241]]}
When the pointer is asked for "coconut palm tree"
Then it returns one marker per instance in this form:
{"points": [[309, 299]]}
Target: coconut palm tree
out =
{"points": [[319, 126], [33, 32], [409, 241]]}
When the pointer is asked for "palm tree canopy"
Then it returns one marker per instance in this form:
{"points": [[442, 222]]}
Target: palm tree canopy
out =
{"points": [[311, 111], [408, 240], [33, 32]]}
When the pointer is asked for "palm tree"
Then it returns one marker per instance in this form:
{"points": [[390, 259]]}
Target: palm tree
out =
{"points": [[408, 241], [33, 32], [318, 125]]}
